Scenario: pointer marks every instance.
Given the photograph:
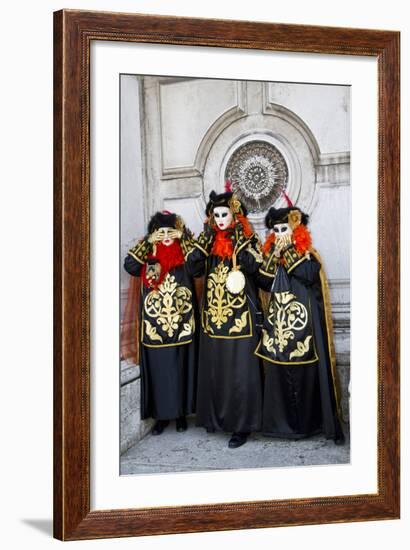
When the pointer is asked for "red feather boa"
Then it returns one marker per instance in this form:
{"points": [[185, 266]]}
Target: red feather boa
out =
{"points": [[168, 257]]}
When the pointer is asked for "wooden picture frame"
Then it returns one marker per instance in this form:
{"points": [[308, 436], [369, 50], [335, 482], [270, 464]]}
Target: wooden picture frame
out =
{"points": [[74, 32]]}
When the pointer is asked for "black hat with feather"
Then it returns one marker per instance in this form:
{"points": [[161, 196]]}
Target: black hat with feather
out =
{"points": [[227, 199], [290, 214]]}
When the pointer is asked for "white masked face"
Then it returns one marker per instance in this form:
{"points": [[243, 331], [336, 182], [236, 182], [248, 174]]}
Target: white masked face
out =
{"points": [[223, 217], [282, 230], [167, 238]]}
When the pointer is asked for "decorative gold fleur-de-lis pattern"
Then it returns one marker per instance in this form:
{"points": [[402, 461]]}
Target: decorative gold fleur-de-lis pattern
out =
{"points": [[169, 307], [221, 304], [287, 337], [287, 316]]}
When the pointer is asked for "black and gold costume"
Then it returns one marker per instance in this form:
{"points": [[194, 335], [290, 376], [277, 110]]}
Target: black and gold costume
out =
{"points": [[300, 394], [229, 394], [168, 353]]}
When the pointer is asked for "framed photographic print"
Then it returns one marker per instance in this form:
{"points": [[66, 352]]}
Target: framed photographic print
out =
{"points": [[226, 275]]}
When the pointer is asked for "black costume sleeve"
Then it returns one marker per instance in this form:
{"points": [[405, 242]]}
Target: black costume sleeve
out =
{"points": [[250, 258], [197, 252], [195, 263], [132, 267], [205, 240], [267, 270], [302, 266], [308, 272], [187, 242], [137, 257], [263, 281]]}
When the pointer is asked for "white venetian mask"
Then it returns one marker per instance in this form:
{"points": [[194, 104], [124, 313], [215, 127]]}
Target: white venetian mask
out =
{"points": [[223, 217], [167, 234], [282, 230]]}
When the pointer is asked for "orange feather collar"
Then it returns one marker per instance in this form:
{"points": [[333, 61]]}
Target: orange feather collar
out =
{"points": [[222, 245], [301, 237]]}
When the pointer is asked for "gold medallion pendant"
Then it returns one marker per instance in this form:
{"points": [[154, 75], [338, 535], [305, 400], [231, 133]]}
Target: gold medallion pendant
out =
{"points": [[235, 281]]}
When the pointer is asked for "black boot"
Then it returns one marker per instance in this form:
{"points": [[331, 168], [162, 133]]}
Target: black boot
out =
{"points": [[238, 439], [181, 424], [159, 427], [210, 430]]}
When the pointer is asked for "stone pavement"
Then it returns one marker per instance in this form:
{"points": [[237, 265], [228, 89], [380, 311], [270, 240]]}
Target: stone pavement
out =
{"points": [[197, 450]]}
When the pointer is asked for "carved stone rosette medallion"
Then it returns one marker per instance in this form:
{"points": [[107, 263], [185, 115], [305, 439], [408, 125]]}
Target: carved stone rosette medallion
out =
{"points": [[258, 173]]}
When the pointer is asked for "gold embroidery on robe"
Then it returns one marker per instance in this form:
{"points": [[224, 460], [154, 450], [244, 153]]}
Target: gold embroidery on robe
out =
{"points": [[301, 348], [286, 316], [329, 330], [256, 251], [152, 332], [240, 323], [188, 328], [221, 303], [167, 305], [268, 342]]}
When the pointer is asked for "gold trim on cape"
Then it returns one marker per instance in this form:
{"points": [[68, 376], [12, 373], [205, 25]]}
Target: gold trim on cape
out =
{"points": [[290, 364], [329, 329]]}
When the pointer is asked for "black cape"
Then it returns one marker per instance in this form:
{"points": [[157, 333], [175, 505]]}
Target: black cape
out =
{"points": [[300, 393], [168, 344], [229, 394]]}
